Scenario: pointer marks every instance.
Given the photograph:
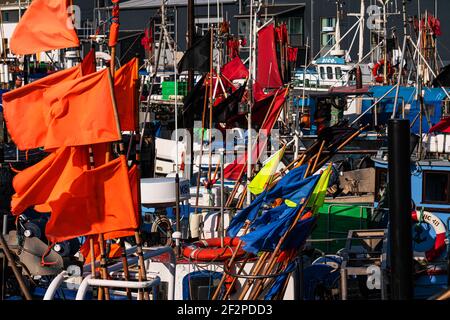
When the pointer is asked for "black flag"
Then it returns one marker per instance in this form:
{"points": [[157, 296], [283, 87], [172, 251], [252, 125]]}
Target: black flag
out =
{"points": [[443, 79], [229, 107], [196, 58]]}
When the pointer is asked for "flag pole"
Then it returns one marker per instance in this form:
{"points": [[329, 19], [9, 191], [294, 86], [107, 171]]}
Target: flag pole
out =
{"points": [[205, 101], [142, 273], [231, 261]]}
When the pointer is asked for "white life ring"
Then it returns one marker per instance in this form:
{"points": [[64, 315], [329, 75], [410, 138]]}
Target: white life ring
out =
{"points": [[439, 228]]}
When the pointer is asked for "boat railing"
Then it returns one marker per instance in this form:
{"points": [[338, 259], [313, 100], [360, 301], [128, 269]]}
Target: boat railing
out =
{"points": [[116, 271], [140, 285]]}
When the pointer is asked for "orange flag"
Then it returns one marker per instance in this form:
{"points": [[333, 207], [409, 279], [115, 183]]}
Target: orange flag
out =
{"points": [[46, 180], [98, 201], [114, 29], [68, 113], [46, 25], [85, 250], [24, 110], [125, 80], [38, 184], [80, 112], [132, 176]]}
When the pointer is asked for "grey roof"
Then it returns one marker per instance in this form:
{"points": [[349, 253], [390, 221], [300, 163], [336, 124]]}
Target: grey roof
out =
{"points": [[138, 4]]}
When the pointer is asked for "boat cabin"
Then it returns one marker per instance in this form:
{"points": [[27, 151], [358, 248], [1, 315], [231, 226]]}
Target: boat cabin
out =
{"points": [[325, 72]]}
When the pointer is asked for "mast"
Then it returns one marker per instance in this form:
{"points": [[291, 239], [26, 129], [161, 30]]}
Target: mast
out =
{"points": [[250, 104], [361, 31]]}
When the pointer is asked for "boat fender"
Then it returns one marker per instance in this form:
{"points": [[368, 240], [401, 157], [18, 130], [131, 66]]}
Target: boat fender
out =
{"points": [[211, 250], [439, 228]]}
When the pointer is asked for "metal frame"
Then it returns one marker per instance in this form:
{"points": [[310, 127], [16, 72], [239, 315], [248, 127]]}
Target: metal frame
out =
{"points": [[115, 272], [362, 270]]}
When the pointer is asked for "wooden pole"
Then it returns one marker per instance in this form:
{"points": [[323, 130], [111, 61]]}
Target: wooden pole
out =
{"points": [[14, 268], [205, 100], [211, 100], [255, 270], [258, 286], [104, 269], [139, 251]]}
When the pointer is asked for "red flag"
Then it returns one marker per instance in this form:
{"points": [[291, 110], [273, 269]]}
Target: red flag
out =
{"points": [[268, 74], [292, 54], [235, 69], [125, 81], [88, 65], [98, 201], [46, 25], [114, 30], [442, 127], [147, 40], [233, 170]]}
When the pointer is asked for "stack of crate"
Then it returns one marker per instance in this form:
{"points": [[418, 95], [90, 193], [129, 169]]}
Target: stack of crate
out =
{"points": [[172, 88]]}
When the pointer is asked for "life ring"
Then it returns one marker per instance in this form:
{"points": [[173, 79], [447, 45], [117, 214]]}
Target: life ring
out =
{"points": [[211, 250], [379, 77], [439, 228]]}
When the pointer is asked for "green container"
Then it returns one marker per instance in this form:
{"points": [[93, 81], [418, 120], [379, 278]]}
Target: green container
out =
{"points": [[169, 88], [335, 220]]}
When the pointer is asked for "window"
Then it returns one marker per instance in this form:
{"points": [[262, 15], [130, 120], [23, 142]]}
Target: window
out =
{"points": [[322, 73], [435, 188], [295, 29], [327, 32], [244, 29], [330, 73], [203, 26], [338, 73]]}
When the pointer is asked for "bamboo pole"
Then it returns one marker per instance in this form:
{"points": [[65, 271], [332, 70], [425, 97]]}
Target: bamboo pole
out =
{"points": [[238, 182], [13, 266], [230, 263], [205, 100], [255, 270], [142, 273], [258, 286], [272, 259], [104, 269], [211, 100]]}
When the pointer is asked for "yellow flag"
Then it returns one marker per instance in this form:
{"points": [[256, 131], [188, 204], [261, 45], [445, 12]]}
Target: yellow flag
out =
{"points": [[261, 180], [320, 191]]}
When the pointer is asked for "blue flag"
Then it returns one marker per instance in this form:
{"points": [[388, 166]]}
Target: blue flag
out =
{"points": [[249, 213], [266, 236], [299, 234], [279, 282], [290, 187]]}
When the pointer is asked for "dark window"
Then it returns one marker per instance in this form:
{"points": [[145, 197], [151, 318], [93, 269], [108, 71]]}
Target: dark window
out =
{"points": [[322, 73], [436, 187], [330, 73], [338, 73]]}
